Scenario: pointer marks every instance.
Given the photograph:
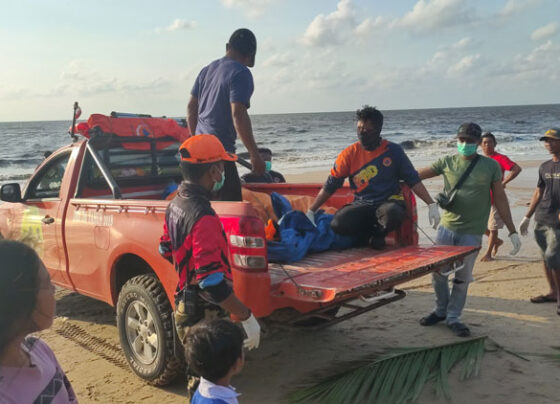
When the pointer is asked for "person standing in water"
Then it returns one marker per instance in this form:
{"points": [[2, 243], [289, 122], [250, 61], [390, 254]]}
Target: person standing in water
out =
{"points": [[495, 222]]}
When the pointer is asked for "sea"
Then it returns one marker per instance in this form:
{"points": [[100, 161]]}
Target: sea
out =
{"points": [[303, 142]]}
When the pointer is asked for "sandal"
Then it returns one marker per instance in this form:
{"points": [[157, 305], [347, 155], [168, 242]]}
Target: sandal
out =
{"points": [[431, 319], [543, 299], [459, 329]]}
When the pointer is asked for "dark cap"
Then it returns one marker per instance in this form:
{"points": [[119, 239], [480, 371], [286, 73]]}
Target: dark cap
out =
{"points": [[552, 133], [469, 129], [243, 41]]}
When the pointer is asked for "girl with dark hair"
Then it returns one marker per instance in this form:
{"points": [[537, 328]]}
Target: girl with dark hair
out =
{"points": [[29, 371]]}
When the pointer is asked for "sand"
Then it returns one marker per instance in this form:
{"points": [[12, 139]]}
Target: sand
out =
{"points": [[85, 339]]}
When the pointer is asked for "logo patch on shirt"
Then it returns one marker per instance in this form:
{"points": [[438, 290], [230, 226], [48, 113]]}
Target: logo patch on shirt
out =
{"points": [[387, 161], [361, 180]]}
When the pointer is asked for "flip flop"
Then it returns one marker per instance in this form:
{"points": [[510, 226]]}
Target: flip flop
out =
{"points": [[543, 299], [459, 329]]}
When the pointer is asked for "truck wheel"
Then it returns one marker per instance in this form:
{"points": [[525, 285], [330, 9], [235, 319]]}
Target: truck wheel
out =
{"points": [[144, 320]]}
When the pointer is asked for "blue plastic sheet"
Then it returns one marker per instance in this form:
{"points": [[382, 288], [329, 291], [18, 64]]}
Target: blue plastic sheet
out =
{"points": [[298, 236]]}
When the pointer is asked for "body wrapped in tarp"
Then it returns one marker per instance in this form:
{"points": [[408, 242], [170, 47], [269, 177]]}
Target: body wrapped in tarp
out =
{"points": [[298, 236]]}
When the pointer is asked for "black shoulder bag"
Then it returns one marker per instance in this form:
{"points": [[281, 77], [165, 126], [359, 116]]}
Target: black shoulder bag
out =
{"points": [[444, 199]]}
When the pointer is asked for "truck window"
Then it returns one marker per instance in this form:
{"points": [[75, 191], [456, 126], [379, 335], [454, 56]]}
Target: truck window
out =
{"points": [[47, 182], [130, 169]]}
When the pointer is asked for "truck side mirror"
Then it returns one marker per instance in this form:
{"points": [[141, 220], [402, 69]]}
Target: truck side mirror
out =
{"points": [[10, 192]]}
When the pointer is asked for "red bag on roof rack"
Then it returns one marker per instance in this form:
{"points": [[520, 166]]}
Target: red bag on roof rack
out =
{"points": [[136, 128]]}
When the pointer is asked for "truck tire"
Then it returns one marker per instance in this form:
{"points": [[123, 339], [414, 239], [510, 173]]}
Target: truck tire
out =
{"points": [[144, 321]]}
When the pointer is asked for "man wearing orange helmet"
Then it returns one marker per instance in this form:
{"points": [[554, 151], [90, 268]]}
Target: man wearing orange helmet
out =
{"points": [[194, 239]]}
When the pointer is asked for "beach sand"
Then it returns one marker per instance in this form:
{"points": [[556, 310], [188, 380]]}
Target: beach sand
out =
{"points": [[85, 339]]}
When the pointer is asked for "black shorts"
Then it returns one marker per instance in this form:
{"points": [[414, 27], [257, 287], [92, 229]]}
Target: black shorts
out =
{"points": [[362, 220]]}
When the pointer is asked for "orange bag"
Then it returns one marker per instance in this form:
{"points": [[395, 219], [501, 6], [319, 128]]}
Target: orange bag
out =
{"points": [[136, 127]]}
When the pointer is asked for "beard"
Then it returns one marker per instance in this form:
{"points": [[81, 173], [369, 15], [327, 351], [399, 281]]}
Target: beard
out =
{"points": [[369, 142]]}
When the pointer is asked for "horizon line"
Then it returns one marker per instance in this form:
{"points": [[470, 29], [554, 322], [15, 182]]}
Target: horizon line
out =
{"points": [[329, 112]]}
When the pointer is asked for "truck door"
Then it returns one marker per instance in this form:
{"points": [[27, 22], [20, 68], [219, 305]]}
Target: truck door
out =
{"points": [[41, 219]]}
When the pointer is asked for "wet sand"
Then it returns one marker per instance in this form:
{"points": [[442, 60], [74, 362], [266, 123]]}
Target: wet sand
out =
{"points": [[85, 339]]}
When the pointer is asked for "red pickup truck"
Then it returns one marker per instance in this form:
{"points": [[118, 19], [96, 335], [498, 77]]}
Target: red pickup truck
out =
{"points": [[94, 211]]}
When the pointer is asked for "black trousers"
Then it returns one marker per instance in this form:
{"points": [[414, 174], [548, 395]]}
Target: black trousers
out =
{"points": [[231, 191], [364, 220]]}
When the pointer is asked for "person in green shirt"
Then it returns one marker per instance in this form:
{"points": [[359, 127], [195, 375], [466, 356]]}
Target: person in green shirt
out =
{"points": [[464, 221]]}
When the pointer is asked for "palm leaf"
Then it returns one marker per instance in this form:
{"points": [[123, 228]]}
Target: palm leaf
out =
{"points": [[396, 376], [549, 357]]}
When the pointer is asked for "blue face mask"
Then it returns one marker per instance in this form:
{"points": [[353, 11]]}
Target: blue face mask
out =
{"points": [[466, 149], [218, 185], [268, 166]]}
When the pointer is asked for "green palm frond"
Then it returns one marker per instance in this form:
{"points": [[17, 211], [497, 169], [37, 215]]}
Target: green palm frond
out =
{"points": [[549, 357], [396, 376]]}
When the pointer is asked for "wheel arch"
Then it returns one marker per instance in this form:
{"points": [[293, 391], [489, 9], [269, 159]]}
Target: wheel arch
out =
{"points": [[124, 268]]}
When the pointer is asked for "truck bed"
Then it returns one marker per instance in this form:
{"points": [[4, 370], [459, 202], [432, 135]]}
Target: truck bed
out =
{"points": [[331, 275]]}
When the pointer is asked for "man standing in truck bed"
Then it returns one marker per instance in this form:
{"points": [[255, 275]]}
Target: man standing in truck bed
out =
{"points": [[194, 240], [219, 101]]}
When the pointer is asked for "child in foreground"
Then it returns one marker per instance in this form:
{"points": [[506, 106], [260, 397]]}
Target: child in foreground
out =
{"points": [[214, 350], [29, 371]]}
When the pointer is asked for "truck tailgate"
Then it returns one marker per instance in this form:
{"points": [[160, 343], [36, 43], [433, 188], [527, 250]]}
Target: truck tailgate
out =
{"points": [[326, 276]]}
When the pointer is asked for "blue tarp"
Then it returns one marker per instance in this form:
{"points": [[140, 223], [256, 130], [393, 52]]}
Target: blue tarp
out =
{"points": [[298, 235]]}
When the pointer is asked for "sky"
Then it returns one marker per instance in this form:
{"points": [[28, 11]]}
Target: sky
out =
{"points": [[312, 56]]}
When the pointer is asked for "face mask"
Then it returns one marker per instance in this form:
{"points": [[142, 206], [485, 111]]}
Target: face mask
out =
{"points": [[466, 149], [267, 166], [218, 185], [369, 140]]}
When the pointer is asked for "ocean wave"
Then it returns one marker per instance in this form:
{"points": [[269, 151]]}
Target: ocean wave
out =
{"points": [[14, 177], [24, 162]]}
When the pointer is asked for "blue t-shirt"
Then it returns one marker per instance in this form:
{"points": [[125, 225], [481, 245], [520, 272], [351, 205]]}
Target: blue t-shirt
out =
{"points": [[218, 85], [198, 398], [210, 393], [374, 175]]}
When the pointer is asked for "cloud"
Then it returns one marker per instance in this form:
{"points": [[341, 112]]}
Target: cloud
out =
{"points": [[332, 28], [431, 15], [452, 62], [252, 8], [513, 7], [177, 25], [463, 43], [545, 32], [369, 25], [540, 64], [77, 70], [278, 60], [463, 66], [13, 93], [80, 78]]}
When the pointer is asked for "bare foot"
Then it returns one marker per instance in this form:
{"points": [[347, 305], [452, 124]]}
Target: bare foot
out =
{"points": [[498, 244], [486, 258]]}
